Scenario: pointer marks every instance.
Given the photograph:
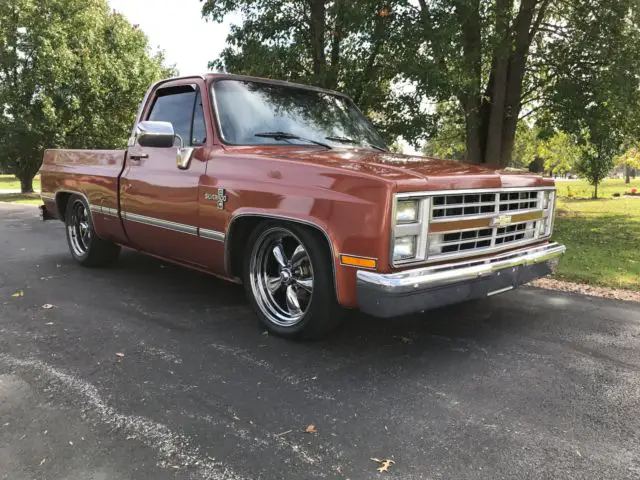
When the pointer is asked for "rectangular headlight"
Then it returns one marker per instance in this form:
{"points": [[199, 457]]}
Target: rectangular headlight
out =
{"points": [[410, 223], [404, 247], [407, 211]]}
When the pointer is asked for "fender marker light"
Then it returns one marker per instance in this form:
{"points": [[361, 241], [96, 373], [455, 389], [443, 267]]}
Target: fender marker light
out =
{"points": [[358, 261]]}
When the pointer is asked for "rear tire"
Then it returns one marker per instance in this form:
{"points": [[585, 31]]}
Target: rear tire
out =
{"points": [[288, 278], [85, 246]]}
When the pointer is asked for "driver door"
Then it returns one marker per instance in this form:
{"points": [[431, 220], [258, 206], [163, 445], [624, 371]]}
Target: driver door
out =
{"points": [[159, 201]]}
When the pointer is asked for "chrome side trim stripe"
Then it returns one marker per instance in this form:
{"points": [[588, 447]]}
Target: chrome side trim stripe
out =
{"points": [[212, 234], [156, 222], [176, 227], [109, 211]]}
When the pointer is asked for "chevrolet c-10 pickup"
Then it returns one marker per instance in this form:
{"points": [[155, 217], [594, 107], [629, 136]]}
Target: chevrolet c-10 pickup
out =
{"points": [[290, 190]]}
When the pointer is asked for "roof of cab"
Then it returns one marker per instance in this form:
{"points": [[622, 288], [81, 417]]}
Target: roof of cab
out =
{"points": [[213, 76]]}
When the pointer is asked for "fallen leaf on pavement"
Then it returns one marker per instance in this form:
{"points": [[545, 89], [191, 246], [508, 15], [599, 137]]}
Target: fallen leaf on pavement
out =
{"points": [[384, 464], [118, 354], [47, 306], [19, 293], [311, 429], [406, 340], [43, 460], [49, 323], [282, 433]]}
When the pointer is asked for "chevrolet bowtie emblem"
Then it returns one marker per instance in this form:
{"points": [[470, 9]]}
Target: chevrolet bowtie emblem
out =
{"points": [[219, 197], [501, 221]]}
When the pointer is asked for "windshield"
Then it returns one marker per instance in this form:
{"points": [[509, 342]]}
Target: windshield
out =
{"points": [[256, 113]]}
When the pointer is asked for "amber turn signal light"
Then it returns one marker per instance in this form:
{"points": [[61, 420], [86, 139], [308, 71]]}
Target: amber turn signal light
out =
{"points": [[358, 261]]}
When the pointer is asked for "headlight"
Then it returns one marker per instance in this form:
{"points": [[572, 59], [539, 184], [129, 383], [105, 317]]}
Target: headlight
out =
{"points": [[404, 247], [407, 211]]}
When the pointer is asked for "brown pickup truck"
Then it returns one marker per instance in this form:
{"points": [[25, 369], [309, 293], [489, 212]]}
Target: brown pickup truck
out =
{"points": [[289, 189]]}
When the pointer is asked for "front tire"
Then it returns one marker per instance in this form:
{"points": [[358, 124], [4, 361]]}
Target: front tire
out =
{"points": [[288, 279], [85, 246]]}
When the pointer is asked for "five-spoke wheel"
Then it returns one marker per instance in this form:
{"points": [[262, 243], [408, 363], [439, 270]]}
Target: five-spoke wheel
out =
{"points": [[281, 277], [289, 279], [85, 246], [78, 229]]}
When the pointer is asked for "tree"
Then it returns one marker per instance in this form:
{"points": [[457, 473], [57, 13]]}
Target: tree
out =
{"points": [[595, 91], [561, 153], [490, 64], [501, 60], [630, 160], [340, 44], [72, 74]]}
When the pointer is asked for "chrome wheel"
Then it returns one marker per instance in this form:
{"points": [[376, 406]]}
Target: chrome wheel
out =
{"points": [[79, 229], [281, 277]]}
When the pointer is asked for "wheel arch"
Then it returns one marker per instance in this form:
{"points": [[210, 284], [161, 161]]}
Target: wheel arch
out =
{"points": [[240, 227], [62, 200]]}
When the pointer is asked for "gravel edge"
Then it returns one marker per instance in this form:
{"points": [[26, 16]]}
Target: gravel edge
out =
{"points": [[594, 291]]}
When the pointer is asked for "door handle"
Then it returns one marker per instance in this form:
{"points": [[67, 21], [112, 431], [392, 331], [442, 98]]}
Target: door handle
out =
{"points": [[139, 156]]}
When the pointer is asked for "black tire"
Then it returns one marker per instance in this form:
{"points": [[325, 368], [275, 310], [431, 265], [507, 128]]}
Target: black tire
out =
{"points": [[85, 246], [322, 313]]}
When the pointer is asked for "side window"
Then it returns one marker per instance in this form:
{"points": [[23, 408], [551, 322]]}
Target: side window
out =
{"points": [[176, 105], [199, 134]]}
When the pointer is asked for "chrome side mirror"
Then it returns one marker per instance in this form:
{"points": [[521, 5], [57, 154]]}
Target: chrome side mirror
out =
{"points": [[155, 134]]}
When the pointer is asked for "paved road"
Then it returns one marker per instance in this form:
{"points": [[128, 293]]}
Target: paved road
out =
{"points": [[530, 384]]}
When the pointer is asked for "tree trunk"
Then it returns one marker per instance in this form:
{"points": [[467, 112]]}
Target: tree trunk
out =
{"points": [[378, 39], [469, 16], [595, 191], [627, 174], [26, 182], [498, 84], [317, 30], [336, 44], [498, 118]]}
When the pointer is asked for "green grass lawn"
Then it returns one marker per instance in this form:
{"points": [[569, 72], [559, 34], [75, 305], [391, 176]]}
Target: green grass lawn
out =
{"points": [[24, 198], [10, 182], [602, 238], [582, 189]]}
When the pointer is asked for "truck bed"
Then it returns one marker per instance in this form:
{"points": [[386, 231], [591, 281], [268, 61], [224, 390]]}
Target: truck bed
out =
{"points": [[93, 174]]}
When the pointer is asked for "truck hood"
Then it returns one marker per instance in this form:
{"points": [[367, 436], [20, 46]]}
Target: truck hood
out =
{"points": [[409, 172]]}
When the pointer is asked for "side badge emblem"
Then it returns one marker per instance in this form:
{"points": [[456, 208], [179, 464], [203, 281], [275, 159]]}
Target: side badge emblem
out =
{"points": [[219, 197]]}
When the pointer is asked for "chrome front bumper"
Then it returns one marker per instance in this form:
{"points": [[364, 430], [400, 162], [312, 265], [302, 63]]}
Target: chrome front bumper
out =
{"points": [[393, 294]]}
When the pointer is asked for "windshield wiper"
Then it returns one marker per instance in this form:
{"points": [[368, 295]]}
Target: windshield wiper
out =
{"points": [[355, 142], [290, 136]]}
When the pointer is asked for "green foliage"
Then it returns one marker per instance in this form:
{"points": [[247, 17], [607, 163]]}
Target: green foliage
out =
{"points": [[341, 45], [448, 140], [561, 153], [72, 74], [594, 90], [630, 158], [452, 72], [594, 164]]}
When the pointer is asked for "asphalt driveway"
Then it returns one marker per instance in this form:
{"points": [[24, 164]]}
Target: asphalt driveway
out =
{"points": [[149, 371]]}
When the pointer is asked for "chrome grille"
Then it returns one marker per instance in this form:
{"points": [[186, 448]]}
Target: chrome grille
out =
{"points": [[463, 223], [468, 204]]}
